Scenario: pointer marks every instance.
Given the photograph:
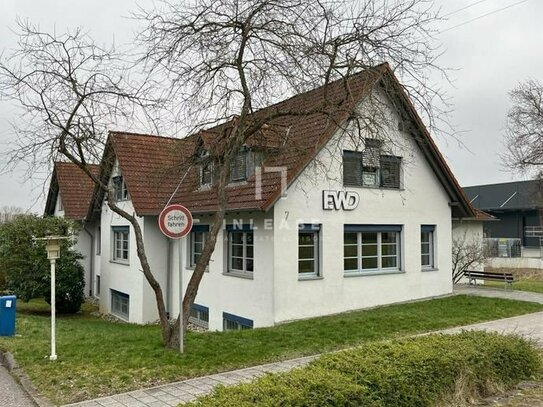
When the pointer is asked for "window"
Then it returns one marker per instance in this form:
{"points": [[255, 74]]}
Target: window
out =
{"points": [[427, 246], [60, 207], [99, 241], [370, 168], [97, 286], [120, 304], [199, 315], [234, 323], [308, 250], [197, 239], [390, 171], [371, 248], [244, 164], [119, 188], [240, 249], [121, 235], [206, 174]]}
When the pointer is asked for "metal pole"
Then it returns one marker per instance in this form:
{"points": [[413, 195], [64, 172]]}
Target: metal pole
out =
{"points": [[181, 330], [53, 312]]}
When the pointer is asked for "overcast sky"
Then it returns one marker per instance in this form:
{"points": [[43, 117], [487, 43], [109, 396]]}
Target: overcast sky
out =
{"points": [[489, 55]]}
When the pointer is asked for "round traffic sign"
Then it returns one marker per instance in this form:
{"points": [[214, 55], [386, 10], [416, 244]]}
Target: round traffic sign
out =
{"points": [[175, 221]]}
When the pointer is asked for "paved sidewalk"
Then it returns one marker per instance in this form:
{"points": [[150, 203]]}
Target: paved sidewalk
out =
{"points": [[498, 293], [174, 393], [11, 393]]}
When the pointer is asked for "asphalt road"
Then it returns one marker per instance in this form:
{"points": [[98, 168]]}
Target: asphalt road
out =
{"points": [[11, 393]]}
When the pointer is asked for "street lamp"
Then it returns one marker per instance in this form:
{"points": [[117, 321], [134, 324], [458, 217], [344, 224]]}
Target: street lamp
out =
{"points": [[52, 245]]}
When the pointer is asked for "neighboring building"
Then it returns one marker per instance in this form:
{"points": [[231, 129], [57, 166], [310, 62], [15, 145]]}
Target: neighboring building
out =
{"points": [[70, 194], [357, 225], [517, 205]]}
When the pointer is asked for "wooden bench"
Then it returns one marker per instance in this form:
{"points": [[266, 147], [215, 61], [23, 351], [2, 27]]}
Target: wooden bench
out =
{"points": [[506, 278]]}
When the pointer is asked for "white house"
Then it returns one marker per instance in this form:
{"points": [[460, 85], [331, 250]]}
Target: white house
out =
{"points": [[70, 194], [322, 216]]}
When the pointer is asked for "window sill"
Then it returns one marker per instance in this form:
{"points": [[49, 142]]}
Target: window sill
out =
{"points": [[232, 184], [424, 270], [372, 273], [247, 276], [313, 277], [124, 263], [191, 268], [373, 187], [122, 318]]}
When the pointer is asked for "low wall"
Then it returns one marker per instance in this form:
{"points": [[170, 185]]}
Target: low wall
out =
{"points": [[514, 262]]}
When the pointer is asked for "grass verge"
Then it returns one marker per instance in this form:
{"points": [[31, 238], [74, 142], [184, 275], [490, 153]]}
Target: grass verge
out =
{"points": [[525, 279], [425, 372], [97, 357]]}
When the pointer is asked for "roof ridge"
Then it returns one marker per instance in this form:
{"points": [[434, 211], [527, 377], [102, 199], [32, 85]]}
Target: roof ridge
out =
{"points": [[131, 133]]}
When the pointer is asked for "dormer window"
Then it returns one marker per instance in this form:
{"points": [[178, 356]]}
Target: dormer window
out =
{"points": [[120, 190], [206, 174], [244, 164]]}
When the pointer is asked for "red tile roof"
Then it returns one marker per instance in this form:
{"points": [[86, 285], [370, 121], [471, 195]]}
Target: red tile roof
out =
{"points": [[157, 169], [75, 188]]}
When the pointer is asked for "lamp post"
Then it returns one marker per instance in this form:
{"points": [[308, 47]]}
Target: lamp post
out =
{"points": [[52, 245]]}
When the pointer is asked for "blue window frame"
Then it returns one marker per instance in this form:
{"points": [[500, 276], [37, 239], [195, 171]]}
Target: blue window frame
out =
{"points": [[233, 322], [199, 315]]}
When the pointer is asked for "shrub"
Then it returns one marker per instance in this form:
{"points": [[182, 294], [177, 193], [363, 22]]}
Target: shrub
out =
{"points": [[27, 270], [415, 372]]}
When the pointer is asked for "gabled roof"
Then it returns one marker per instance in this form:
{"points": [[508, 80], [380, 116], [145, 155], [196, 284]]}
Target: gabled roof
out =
{"points": [[518, 195], [75, 188], [157, 169]]}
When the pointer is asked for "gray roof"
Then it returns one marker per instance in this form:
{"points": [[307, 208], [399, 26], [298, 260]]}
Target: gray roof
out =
{"points": [[506, 196]]}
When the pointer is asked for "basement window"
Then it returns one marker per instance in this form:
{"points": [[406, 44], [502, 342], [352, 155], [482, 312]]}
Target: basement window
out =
{"points": [[234, 323], [199, 315], [120, 304]]}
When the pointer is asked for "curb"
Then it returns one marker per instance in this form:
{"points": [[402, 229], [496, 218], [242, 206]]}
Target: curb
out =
{"points": [[7, 360]]}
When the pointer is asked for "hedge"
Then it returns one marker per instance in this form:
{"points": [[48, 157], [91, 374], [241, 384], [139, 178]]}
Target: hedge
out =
{"points": [[417, 372]]}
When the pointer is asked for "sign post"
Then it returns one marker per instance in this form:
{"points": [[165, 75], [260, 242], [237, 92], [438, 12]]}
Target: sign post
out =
{"points": [[175, 221], [53, 253]]}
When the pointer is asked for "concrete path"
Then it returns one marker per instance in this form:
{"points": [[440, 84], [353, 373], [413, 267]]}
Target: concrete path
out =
{"points": [[172, 394], [11, 393], [498, 293]]}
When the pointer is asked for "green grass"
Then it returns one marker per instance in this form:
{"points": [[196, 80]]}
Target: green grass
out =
{"points": [[97, 357], [535, 286]]}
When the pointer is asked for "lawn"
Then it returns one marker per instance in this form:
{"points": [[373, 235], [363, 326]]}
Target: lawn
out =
{"points": [[526, 280], [97, 357]]}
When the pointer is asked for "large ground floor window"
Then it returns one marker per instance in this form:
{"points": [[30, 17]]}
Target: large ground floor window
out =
{"points": [[369, 248]]}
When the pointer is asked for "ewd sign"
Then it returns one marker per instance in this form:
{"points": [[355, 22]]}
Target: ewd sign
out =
{"points": [[175, 221]]}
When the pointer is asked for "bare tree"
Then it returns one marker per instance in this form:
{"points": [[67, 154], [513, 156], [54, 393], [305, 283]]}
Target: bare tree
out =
{"points": [[8, 213], [466, 254], [70, 91], [524, 133], [226, 59]]}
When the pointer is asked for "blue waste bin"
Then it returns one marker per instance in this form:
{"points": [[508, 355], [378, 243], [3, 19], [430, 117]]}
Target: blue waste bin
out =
{"points": [[7, 315]]}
